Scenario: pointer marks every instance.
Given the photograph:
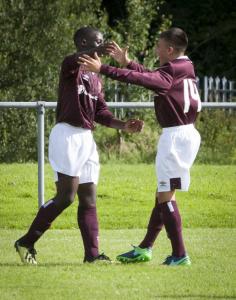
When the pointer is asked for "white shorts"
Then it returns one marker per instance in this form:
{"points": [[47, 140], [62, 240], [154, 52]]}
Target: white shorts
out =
{"points": [[176, 151], [73, 152]]}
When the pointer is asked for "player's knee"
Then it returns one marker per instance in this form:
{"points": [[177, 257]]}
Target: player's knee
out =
{"points": [[63, 201], [69, 199], [87, 201]]}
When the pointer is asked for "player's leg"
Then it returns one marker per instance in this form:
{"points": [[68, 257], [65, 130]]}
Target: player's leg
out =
{"points": [[144, 251], [174, 165], [87, 211], [67, 187], [155, 225], [173, 225], [88, 222]]}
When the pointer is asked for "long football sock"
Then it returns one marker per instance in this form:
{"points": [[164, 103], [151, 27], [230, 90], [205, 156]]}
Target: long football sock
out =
{"points": [[43, 220], [154, 227], [173, 225], [88, 224]]}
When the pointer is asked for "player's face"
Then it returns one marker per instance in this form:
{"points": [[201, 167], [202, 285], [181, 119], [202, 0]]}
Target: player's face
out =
{"points": [[163, 51], [94, 39]]}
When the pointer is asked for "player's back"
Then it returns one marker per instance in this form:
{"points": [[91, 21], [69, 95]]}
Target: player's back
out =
{"points": [[181, 103]]}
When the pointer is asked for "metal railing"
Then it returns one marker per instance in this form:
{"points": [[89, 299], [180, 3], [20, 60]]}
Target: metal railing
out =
{"points": [[42, 105]]}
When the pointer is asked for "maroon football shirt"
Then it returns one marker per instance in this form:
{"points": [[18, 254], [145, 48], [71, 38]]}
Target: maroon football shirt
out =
{"points": [[174, 84], [80, 100]]}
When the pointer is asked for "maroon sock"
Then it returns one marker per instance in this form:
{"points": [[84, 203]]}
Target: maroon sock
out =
{"points": [[172, 221], [154, 227], [88, 224], [45, 216]]}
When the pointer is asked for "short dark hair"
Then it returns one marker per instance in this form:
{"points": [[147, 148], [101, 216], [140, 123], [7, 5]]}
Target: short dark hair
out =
{"points": [[82, 33], [176, 37]]}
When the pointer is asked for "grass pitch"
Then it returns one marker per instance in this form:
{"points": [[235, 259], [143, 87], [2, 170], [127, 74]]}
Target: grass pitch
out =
{"points": [[125, 199], [62, 275]]}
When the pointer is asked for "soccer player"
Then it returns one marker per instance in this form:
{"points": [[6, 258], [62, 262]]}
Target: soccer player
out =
{"points": [[177, 104], [72, 150]]}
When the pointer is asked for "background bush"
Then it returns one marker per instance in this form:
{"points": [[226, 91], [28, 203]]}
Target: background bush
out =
{"points": [[36, 35]]}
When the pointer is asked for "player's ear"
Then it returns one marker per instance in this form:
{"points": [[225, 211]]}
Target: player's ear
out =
{"points": [[170, 50], [84, 42]]}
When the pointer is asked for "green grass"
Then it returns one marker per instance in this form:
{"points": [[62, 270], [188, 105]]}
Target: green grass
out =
{"points": [[125, 196], [61, 274], [125, 199]]}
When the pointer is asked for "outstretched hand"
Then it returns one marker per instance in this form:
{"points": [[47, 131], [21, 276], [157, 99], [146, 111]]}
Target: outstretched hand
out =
{"points": [[90, 64], [119, 54], [133, 125]]}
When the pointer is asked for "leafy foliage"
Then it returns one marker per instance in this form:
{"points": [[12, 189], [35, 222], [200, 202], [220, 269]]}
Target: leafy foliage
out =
{"points": [[36, 35]]}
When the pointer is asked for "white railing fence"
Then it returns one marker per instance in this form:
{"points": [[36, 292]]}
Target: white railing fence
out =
{"points": [[218, 90]]}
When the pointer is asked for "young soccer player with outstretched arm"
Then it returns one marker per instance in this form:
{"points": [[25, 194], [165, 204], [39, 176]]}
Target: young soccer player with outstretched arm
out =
{"points": [[177, 104], [72, 150]]}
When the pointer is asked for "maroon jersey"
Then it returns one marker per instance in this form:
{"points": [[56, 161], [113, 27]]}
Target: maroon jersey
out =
{"points": [[80, 100], [176, 97]]}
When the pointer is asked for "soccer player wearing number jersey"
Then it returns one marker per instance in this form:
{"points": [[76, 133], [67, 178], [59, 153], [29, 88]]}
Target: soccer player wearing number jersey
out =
{"points": [[72, 150], [177, 104]]}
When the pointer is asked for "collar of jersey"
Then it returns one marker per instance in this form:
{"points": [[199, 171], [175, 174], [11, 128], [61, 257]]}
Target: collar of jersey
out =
{"points": [[182, 57]]}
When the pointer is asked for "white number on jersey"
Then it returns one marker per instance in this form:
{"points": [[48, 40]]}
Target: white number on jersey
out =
{"points": [[191, 93]]}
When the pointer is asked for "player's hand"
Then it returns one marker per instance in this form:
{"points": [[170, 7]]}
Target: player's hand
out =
{"points": [[132, 126], [119, 54], [104, 49], [90, 64]]}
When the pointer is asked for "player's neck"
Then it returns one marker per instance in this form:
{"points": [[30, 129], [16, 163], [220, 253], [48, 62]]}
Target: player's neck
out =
{"points": [[176, 55]]}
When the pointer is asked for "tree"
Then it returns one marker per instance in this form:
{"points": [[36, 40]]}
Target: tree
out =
{"points": [[211, 27]]}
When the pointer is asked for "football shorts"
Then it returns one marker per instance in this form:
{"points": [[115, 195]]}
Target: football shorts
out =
{"points": [[73, 152], [176, 151]]}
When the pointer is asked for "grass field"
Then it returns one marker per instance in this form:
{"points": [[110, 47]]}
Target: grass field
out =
{"points": [[125, 199]]}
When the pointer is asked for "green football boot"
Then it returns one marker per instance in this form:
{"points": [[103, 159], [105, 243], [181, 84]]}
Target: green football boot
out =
{"points": [[177, 261], [136, 255]]}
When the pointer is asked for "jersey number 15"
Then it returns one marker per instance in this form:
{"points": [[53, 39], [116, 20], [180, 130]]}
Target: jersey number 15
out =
{"points": [[191, 93]]}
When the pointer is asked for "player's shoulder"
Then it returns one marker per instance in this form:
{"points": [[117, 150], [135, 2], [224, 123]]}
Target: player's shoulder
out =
{"points": [[181, 61], [70, 58], [166, 68], [182, 65]]}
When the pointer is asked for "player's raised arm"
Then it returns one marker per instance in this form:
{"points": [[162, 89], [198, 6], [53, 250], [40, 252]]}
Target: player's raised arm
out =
{"points": [[159, 81]]}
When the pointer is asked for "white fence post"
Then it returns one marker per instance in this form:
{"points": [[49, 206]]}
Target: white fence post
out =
{"points": [[224, 91], [217, 85], [231, 92], [40, 137], [205, 99]]}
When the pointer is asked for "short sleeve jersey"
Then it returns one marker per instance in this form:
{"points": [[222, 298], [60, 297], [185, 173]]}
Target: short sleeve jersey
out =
{"points": [[80, 97], [176, 99]]}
